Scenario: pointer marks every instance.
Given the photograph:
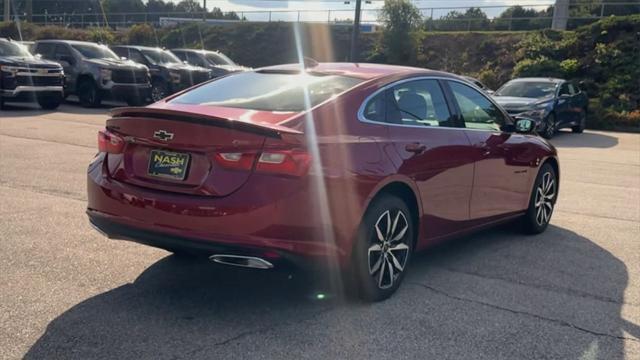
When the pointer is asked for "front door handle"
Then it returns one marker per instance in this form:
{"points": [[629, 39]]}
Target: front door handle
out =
{"points": [[416, 148]]}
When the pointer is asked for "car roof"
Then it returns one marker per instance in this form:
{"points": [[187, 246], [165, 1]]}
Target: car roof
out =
{"points": [[70, 42], [538, 79], [138, 47], [360, 70], [197, 50]]}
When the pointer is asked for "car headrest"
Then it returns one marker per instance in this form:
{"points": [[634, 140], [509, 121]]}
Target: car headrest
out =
{"points": [[413, 104]]}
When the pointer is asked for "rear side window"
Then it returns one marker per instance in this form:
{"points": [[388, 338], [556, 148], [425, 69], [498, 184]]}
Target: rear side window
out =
{"points": [[419, 102], [269, 91]]}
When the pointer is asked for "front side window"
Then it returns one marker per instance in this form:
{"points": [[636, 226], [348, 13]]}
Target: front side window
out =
{"points": [[218, 59], [269, 91], [135, 56], [476, 110], [565, 90], [46, 50], [420, 103]]}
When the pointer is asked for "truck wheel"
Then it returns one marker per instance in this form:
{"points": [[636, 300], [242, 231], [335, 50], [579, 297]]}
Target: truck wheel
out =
{"points": [[88, 94], [49, 101], [159, 90], [578, 129]]}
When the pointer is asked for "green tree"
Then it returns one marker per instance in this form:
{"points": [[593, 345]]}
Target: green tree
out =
{"points": [[399, 41], [472, 19]]}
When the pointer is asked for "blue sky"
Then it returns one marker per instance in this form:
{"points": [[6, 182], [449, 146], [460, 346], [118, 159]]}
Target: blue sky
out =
{"points": [[317, 10]]}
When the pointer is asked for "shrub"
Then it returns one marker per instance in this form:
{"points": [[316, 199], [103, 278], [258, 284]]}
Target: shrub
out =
{"points": [[400, 36], [142, 34], [569, 67], [541, 66], [489, 78]]}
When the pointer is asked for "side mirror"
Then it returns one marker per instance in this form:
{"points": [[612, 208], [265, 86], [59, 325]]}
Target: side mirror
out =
{"points": [[524, 125], [67, 59]]}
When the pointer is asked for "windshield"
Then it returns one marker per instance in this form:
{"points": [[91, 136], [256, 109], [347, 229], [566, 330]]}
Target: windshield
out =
{"points": [[8, 48], [91, 51], [159, 57], [528, 89], [218, 59], [268, 91]]}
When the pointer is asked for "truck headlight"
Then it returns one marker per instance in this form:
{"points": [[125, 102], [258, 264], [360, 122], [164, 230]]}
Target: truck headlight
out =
{"points": [[9, 71]]}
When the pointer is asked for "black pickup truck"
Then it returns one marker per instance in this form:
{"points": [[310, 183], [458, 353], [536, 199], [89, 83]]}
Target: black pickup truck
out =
{"points": [[24, 77]]}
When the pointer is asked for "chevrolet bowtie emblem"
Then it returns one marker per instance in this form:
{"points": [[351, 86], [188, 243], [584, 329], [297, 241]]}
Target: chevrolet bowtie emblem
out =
{"points": [[163, 135]]}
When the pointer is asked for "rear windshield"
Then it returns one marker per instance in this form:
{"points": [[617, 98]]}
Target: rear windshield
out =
{"points": [[268, 91]]}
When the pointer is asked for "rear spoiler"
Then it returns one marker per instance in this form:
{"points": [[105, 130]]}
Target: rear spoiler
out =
{"points": [[270, 130]]}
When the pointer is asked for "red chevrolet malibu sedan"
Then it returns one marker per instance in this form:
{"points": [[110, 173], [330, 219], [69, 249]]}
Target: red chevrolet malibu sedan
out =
{"points": [[348, 165]]}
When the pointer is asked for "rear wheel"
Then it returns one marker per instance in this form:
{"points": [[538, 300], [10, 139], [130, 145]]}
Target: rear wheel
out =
{"points": [[542, 201], [88, 94], [49, 101], [383, 248], [550, 127], [582, 124]]}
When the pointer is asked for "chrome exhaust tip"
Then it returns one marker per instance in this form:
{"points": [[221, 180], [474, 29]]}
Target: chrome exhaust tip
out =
{"points": [[241, 261]]}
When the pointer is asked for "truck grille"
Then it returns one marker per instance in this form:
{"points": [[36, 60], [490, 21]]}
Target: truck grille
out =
{"points": [[129, 77], [39, 80]]}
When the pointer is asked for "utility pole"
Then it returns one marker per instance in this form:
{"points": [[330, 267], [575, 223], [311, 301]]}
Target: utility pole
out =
{"points": [[560, 15], [29, 9], [204, 13], [355, 34], [7, 10]]}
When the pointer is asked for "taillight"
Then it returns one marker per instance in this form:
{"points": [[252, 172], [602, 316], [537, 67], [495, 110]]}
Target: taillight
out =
{"points": [[109, 142], [285, 162], [237, 161]]}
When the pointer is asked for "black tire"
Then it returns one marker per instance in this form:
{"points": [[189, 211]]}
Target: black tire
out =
{"points": [[538, 215], [550, 126], [89, 94], [49, 101], [373, 277], [159, 90], [578, 129]]}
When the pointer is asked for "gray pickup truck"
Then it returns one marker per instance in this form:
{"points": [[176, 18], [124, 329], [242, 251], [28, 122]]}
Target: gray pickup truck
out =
{"points": [[93, 72], [24, 77]]}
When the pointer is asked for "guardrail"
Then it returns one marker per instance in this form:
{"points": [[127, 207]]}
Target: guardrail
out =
{"points": [[434, 17]]}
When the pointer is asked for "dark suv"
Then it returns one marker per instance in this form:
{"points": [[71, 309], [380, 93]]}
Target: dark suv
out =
{"points": [[93, 72], [168, 74], [217, 62], [25, 77]]}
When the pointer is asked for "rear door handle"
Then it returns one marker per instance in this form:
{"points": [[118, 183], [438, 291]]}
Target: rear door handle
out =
{"points": [[416, 148]]}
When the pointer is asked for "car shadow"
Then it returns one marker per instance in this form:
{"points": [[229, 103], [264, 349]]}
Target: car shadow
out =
{"points": [[588, 139], [179, 308]]}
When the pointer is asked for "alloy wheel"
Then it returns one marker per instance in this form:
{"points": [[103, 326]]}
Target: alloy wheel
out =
{"points": [[550, 127], [389, 252], [158, 93], [545, 198]]}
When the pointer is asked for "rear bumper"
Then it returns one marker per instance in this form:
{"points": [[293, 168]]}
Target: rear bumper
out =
{"points": [[281, 228]]}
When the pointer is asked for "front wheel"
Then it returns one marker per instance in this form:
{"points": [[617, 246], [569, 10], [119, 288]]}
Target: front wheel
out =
{"points": [[383, 248], [88, 94], [550, 127], [159, 90], [542, 201], [49, 101]]}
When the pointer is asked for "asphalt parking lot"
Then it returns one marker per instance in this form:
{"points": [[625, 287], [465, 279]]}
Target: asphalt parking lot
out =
{"points": [[68, 293]]}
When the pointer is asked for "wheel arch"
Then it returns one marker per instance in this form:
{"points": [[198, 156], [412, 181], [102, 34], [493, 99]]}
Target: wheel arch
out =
{"points": [[406, 190], [556, 167], [82, 78]]}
